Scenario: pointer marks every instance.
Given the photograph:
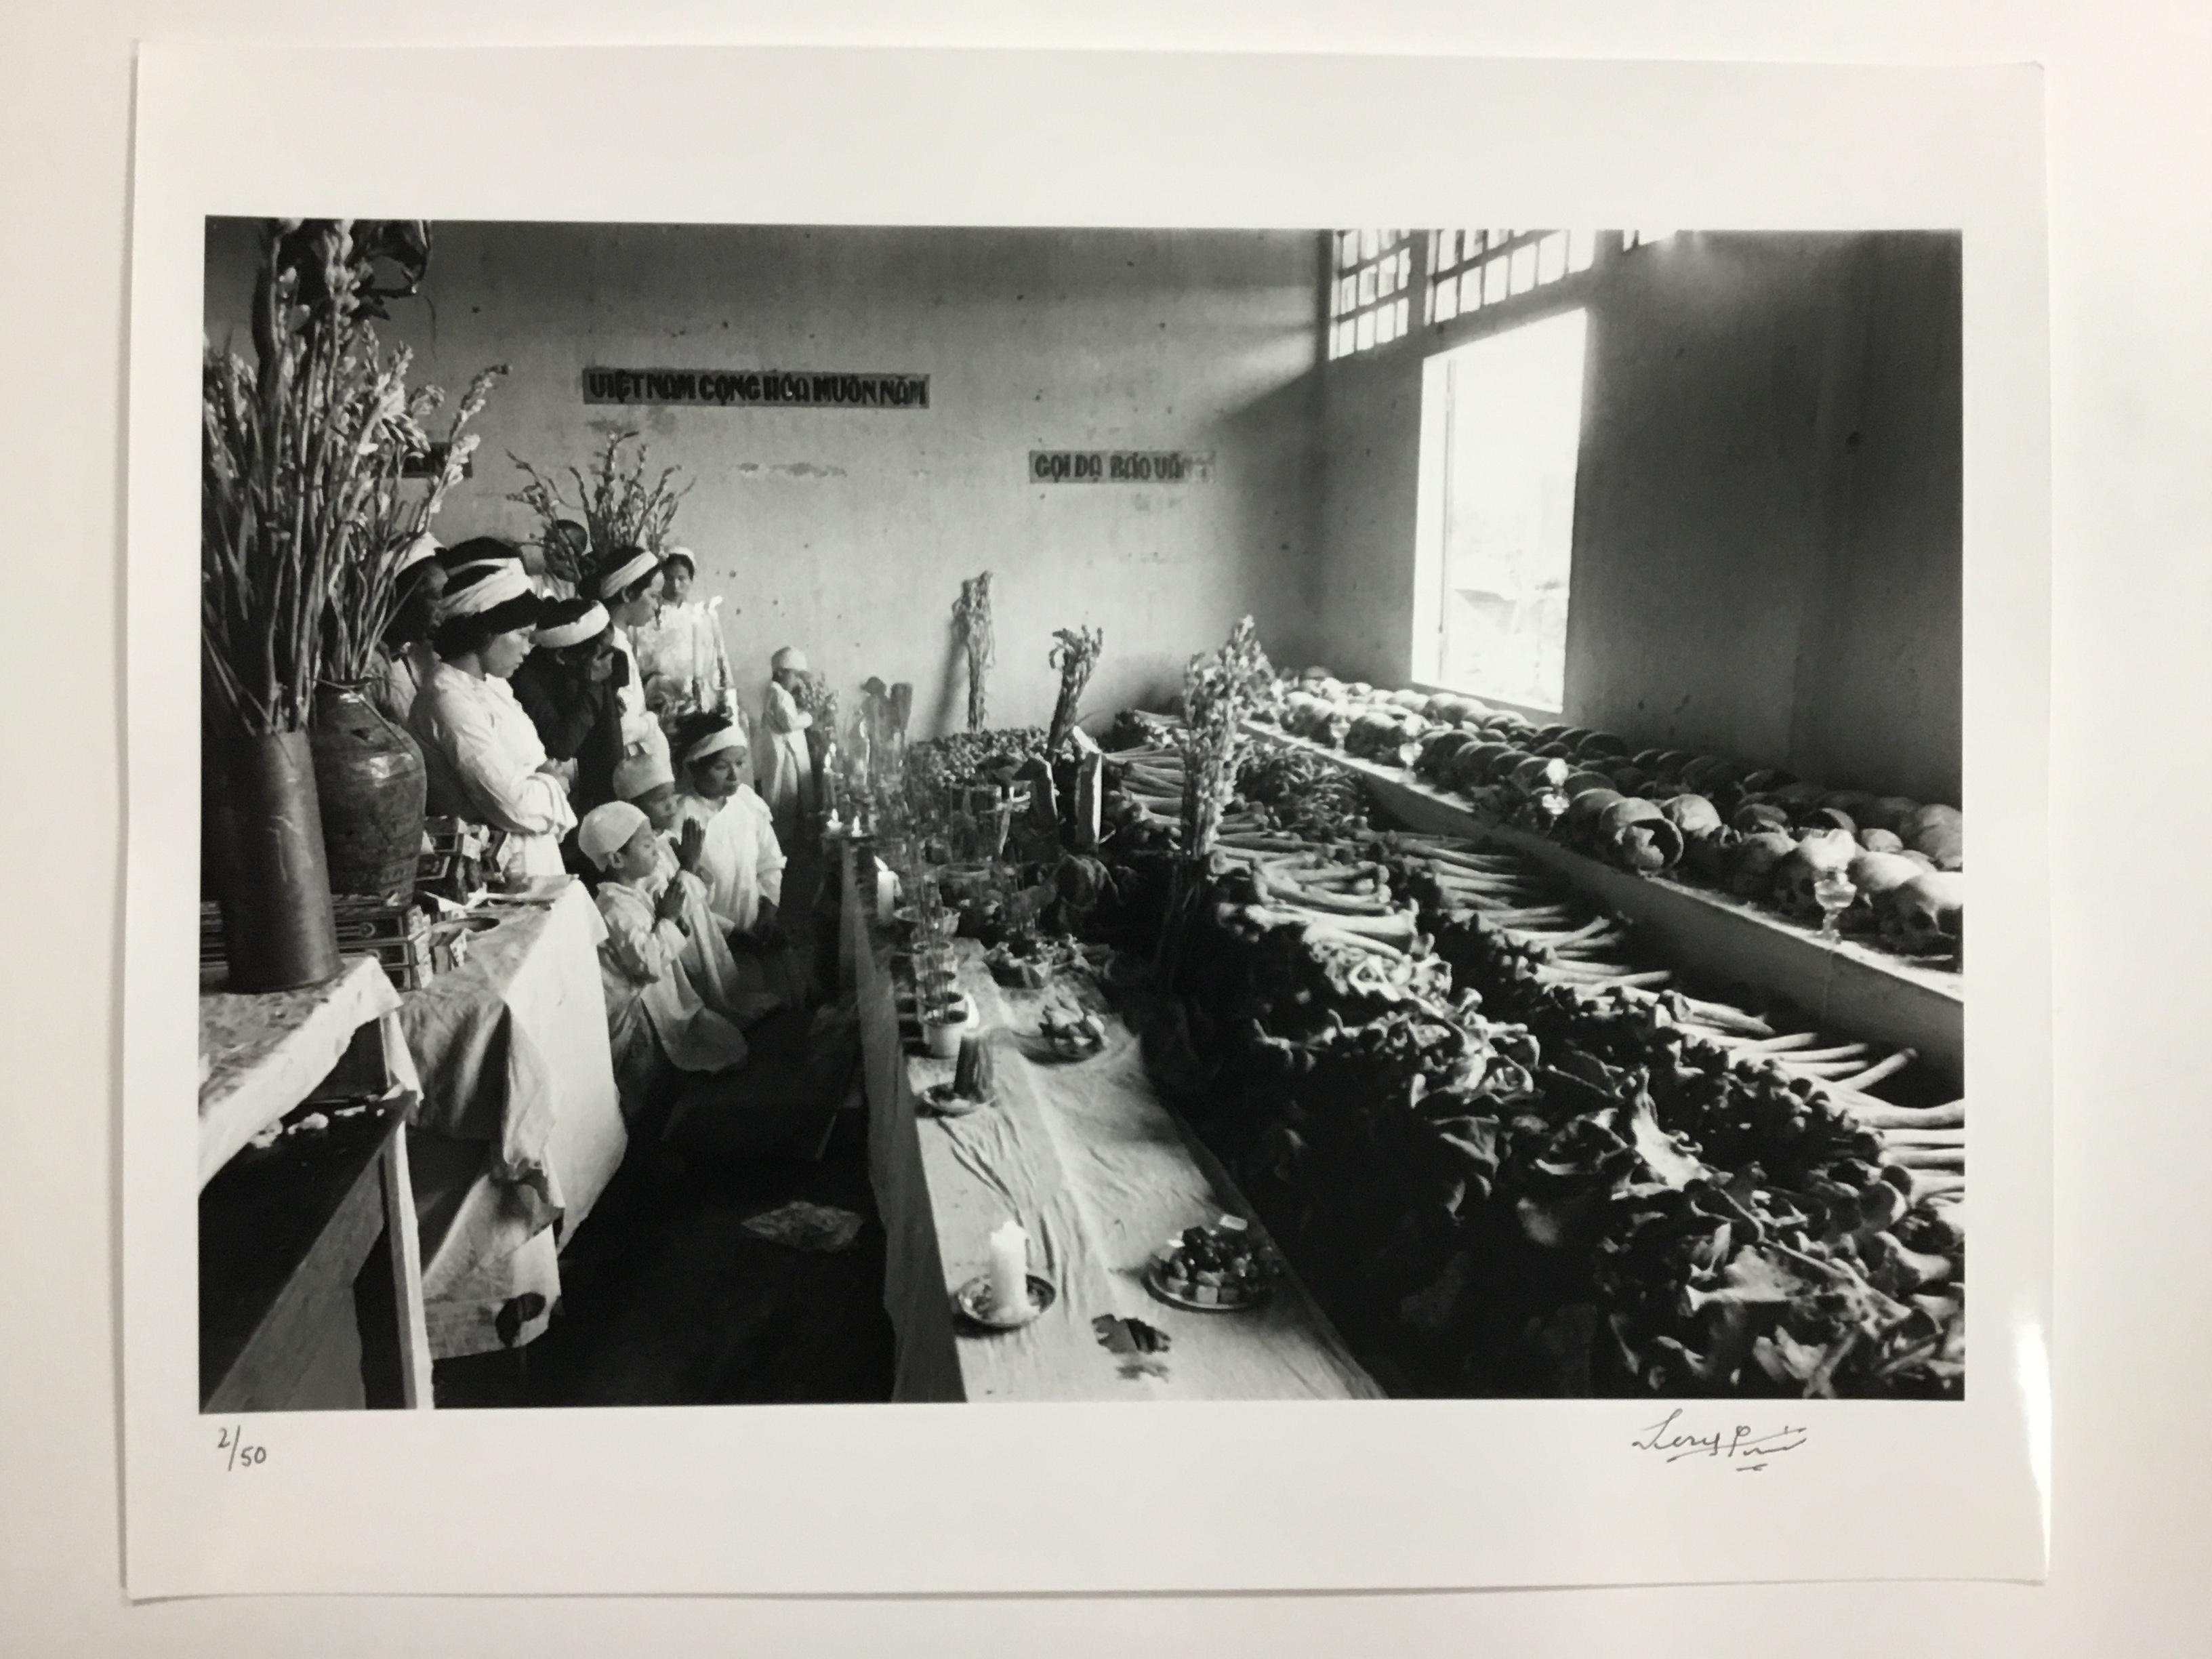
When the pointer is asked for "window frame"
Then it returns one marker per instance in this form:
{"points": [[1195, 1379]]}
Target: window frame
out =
{"points": [[1561, 297]]}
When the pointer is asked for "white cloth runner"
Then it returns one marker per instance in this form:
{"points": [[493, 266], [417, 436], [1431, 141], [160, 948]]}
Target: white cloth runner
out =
{"points": [[1100, 1173]]}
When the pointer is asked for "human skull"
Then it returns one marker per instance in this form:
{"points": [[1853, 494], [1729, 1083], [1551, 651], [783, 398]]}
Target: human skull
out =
{"points": [[1796, 799], [1637, 836], [1756, 817], [1708, 856], [1825, 853], [1693, 814], [1470, 767], [1693, 776], [1852, 803], [1938, 831], [1584, 811], [1434, 762], [1927, 914], [1886, 813], [1538, 774], [1875, 874], [1880, 841], [1751, 871]]}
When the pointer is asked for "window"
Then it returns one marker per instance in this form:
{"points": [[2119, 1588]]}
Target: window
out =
{"points": [[1501, 423], [1370, 301], [1471, 269]]}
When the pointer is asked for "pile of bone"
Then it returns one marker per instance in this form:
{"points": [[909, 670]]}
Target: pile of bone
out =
{"points": [[1758, 833], [1601, 1105], [1533, 927], [1285, 798]]}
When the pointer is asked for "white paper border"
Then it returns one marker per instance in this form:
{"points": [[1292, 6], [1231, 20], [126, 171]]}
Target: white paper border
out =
{"points": [[1066, 1498]]}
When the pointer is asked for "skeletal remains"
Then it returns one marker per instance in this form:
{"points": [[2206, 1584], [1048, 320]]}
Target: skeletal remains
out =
{"points": [[1758, 833], [1450, 1032]]}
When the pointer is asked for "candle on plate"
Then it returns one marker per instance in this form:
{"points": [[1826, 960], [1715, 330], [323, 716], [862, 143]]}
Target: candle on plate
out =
{"points": [[1010, 1271]]}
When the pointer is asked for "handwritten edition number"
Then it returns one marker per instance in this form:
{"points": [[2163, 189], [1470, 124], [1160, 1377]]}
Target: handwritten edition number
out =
{"points": [[242, 1456]]}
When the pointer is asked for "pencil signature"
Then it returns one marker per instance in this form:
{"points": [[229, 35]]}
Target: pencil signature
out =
{"points": [[1745, 1451]]}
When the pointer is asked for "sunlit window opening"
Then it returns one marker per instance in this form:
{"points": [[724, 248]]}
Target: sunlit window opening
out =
{"points": [[1508, 411]]}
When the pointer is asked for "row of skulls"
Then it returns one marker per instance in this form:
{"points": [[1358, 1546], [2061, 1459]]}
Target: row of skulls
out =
{"points": [[1882, 865]]}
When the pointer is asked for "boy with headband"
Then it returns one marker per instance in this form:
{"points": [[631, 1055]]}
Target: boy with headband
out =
{"points": [[668, 976]]}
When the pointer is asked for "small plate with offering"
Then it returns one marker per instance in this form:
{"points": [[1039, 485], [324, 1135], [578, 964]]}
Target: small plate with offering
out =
{"points": [[1072, 1033], [1217, 1269]]}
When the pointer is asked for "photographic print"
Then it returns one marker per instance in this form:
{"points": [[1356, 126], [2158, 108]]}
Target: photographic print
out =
{"points": [[1073, 866], [937, 814]]}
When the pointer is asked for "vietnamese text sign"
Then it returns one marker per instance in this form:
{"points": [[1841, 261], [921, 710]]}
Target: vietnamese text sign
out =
{"points": [[1118, 466], [756, 388]]}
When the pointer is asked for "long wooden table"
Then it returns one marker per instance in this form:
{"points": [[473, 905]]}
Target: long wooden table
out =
{"points": [[1100, 1172]]}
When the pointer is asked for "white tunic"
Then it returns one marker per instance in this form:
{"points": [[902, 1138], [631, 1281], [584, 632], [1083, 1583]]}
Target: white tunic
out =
{"points": [[482, 756], [741, 862], [687, 666], [640, 728], [663, 983], [786, 765]]}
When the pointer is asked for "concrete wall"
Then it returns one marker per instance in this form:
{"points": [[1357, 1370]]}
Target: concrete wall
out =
{"points": [[1767, 523], [849, 532]]}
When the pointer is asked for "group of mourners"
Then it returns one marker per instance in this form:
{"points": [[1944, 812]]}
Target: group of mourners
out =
{"points": [[584, 707]]}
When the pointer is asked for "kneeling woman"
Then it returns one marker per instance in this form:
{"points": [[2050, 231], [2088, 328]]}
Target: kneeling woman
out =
{"points": [[482, 756], [740, 859], [667, 975]]}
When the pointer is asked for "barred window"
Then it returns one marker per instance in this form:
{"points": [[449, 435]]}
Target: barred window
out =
{"points": [[1471, 269], [1370, 301]]}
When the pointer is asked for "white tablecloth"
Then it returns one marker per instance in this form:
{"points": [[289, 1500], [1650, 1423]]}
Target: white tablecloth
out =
{"points": [[519, 1130], [1100, 1173]]}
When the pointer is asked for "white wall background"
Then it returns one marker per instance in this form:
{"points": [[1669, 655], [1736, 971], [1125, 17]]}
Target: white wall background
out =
{"points": [[848, 533], [2130, 133]]}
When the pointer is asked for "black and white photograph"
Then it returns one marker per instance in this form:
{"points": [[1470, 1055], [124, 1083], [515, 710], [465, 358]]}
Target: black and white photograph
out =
{"points": [[803, 814]]}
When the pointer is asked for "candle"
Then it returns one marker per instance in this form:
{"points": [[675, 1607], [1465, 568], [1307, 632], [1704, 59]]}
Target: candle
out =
{"points": [[969, 1077], [886, 893], [1010, 1272]]}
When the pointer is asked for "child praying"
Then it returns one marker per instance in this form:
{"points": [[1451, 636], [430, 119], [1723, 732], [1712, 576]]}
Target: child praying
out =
{"points": [[672, 989]]}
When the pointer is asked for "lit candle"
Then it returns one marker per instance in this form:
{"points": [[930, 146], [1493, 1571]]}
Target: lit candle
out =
{"points": [[1010, 1272], [886, 894]]}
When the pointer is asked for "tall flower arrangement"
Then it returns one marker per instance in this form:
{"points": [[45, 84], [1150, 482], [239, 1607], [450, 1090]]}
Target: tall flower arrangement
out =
{"points": [[302, 455], [613, 500], [1075, 654], [1219, 690], [364, 596]]}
